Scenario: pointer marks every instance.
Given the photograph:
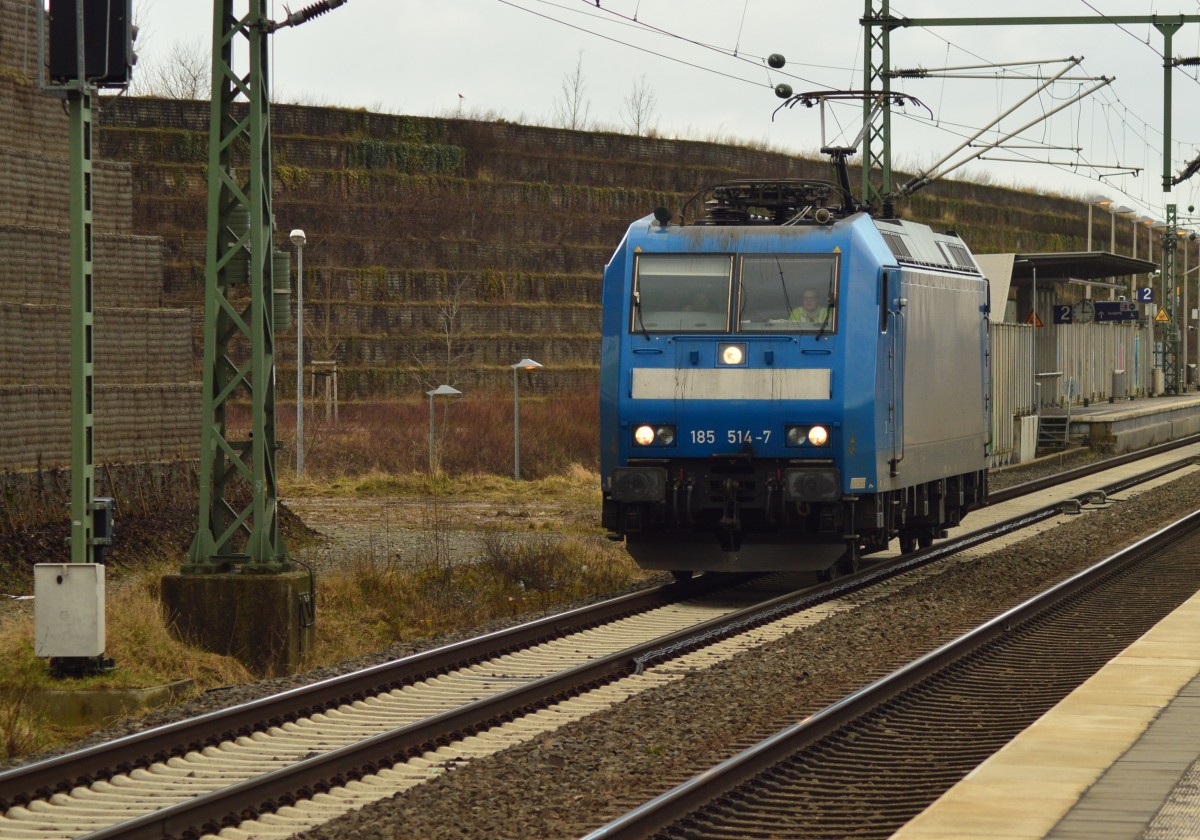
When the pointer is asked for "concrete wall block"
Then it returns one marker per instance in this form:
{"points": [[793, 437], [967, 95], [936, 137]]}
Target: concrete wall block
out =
{"points": [[35, 191], [28, 119], [255, 618], [155, 422], [37, 267], [18, 36], [130, 345]]}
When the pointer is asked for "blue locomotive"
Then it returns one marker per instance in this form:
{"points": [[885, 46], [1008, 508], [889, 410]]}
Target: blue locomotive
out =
{"points": [[789, 383]]}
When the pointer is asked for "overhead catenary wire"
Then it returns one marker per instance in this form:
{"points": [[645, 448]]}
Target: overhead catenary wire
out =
{"points": [[642, 25], [933, 171], [1120, 120]]}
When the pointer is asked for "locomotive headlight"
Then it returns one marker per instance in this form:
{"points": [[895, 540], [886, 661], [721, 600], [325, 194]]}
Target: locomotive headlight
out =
{"points": [[647, 435], [797, 436], [732, 354]]}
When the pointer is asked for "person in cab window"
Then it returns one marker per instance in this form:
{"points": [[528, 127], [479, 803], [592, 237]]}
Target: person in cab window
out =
{"points": [[810, 312]]}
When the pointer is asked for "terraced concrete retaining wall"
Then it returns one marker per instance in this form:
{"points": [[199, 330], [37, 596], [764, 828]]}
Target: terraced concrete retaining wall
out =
{"points": [[147, 396]]}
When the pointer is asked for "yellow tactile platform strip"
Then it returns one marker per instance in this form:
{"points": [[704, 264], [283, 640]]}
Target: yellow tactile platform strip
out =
{"points": [[1099, 764]]}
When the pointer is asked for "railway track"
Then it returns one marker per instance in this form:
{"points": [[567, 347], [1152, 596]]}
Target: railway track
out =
{"points": [[318, 739], [869, 763]]}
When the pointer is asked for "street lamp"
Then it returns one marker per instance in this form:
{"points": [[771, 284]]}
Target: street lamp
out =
{"points": [[524, 364], [439, 391], [298, 239]]}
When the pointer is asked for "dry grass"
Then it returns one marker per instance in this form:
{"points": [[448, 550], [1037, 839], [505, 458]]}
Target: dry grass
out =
{"points": [[367, 602], [137, 640], [474, 434], [575, 487], [370, 602]]}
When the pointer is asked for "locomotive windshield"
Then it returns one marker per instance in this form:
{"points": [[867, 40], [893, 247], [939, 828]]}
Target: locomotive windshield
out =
{"points": [[675, 293], [682, 293], [788, 292]]}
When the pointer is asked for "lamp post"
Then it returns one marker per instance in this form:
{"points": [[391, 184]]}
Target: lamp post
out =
{"points": [[1094, 201], [1125, 213], [439, 391], [524, 364], [298, 239]]}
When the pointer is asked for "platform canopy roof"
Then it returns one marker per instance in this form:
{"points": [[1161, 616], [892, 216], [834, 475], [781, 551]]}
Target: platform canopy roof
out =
{"points": [[1098, 269], [1077, 265]]}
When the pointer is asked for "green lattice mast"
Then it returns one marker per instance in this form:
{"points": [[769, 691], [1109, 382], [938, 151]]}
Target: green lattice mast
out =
{"points": [[239, 525]]}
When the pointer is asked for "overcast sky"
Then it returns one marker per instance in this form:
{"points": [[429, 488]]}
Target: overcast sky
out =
{"points": [[510, 59]]}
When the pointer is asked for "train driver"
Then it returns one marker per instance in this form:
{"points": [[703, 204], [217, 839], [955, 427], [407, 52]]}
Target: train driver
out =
{"points": [[810, 312]]}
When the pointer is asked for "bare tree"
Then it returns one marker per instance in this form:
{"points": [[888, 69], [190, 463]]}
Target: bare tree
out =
{"points": [[571, 110], [637, 109], [327, 341], [185, 72], [458, 354]]}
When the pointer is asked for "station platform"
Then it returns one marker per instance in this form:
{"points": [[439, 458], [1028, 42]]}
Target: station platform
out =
{"points": [[1119, 757], [1129, 424]]}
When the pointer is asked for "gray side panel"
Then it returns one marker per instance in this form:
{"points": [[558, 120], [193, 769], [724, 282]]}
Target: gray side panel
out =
{"points": [[944, 423]]}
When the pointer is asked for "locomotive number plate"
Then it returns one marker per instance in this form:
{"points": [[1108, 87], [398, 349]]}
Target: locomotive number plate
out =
{"points": [[735, 436]]}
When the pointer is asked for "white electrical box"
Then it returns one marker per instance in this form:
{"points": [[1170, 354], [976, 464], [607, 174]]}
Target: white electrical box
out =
{"points": [[68, 609]]}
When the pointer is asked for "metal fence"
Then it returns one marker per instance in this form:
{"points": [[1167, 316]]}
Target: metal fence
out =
{"points": [[1098, 361], [1074, 362], [1012, 386]]}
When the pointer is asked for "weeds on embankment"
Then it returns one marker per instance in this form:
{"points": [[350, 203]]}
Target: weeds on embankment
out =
{"points": [[365, 602]]}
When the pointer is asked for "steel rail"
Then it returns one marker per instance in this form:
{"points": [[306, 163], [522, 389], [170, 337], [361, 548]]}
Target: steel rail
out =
{"points": [[1010, 493], [39, 780], [684, 799]]}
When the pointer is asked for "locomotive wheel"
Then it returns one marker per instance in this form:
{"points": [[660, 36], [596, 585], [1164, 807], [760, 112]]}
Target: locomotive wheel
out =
{"points": [[925, 539], [849, 563], [908, 542]]}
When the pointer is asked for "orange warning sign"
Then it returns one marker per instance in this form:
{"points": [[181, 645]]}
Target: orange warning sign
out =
{"points": [[1033, 319], [1162, 315]]}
